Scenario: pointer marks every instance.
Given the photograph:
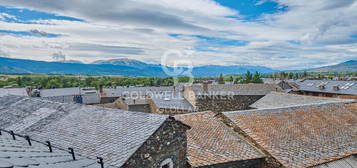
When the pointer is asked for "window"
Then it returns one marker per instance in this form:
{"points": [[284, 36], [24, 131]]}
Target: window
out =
{"points": [[167, 163]]}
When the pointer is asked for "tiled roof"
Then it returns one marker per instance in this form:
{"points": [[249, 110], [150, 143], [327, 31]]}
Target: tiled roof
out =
{"points": [[92, 131], [236, 89], [60, 92], [13, 91], [302, 136], [136, 101], [19, 153], [348, 162], [172, 102], [277, 99], [136, 91], [211, 142], [345, 87]]}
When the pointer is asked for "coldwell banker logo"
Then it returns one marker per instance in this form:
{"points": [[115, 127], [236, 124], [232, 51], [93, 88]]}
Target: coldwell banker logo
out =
{"points": [[176, 63]]}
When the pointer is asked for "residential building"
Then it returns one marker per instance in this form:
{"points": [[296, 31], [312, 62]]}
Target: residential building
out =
{"points": [[170, 104], [212, 144], [221, 97], [121, 138], [70, 95], [130, 104], [279, 99], [327, 88], [19, 151], [315, 135]]}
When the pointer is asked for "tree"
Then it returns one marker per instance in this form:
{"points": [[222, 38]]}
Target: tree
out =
{"points": [[221, 79], [257, 78]]}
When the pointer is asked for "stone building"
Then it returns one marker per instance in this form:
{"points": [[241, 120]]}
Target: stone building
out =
{"points": [[315, 135], [212, 144], [121, 138], [221, 97], [18, 151], [279, 99], [170, 104], [327, 88], [70, 95], [129, 104]]}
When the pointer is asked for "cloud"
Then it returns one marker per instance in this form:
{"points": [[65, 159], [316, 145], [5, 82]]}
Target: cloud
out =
{"points": [[59, 56], [306, 34]]}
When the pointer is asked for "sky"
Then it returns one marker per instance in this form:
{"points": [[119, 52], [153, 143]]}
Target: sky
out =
{"points": [[280, 34]]}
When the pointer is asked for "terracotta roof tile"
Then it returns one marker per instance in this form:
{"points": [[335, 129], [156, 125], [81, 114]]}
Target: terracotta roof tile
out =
{"points": [[210, 141], [302, 136]]}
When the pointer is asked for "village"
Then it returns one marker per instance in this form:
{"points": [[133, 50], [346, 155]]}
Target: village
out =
{"points": [[278, 123]]}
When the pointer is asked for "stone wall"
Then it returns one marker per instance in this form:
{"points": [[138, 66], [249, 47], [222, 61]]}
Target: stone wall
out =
{"points": [[168, 143], [189, 95], [140, 108], [252, 163], [226, 103]]}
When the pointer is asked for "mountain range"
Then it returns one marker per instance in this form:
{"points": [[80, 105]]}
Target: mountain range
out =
{"points": [[130, 67]]}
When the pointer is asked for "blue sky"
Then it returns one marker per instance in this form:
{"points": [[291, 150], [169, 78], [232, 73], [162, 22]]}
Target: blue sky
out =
{"points": [[280, 34]]}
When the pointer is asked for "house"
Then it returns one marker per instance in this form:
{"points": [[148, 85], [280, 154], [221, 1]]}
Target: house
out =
{"points": [[222, 97], [19, 151], [170, 104], [121, 138], [282, 83], [279, 99], [314, 135], [130, 104], [213, 144], [327, 88], [70, 95]]}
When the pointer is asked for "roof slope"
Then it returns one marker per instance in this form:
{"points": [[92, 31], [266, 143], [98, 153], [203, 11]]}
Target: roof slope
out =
{"points": [[211, 142], [302, 136], [275, 99], [172, 102], [92, 131], [18, 153], [346, 87], [348, 162], [236, 89]]}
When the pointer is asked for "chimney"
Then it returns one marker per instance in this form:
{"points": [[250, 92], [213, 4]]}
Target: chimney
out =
{"points": [[205, 86], [100, 88], [336, 88]]}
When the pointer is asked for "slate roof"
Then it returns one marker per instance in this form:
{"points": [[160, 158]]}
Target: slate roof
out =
{"points": [[302, 136], [92, 131], [60, 92], [140, 91], [236, 89], [13, 91], [211, 142], [172, 102], [346, 87], [18, 153], [348, 162], [130, 101], [66, 95], [277, 99]]}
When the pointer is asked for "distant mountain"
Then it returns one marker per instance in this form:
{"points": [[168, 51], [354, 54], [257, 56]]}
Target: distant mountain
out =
{"points": [[348, 66], [120, 67], [124, 62]]}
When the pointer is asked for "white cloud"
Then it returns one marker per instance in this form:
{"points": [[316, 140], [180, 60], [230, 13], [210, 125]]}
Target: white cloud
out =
{"points": [[139, 29]]}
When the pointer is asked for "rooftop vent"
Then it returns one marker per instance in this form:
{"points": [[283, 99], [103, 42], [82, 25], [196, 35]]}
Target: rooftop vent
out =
{"points": [[322, 87], [336, 88]]}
